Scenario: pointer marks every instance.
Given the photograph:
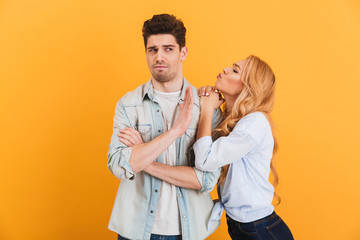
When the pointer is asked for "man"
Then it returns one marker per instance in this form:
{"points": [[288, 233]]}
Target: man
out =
{"points": [[161, 193]]}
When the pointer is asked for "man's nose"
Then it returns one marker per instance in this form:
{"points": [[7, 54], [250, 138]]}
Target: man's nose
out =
{"points": [[225, 71], [159, 56]]}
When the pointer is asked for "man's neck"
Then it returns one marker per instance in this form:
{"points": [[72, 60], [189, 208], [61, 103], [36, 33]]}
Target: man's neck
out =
{"points": [[174, 85]]}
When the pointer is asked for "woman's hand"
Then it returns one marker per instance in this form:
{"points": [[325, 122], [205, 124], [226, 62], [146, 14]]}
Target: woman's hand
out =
{"points": [[129, 137], [205, 90], [210, 98]]}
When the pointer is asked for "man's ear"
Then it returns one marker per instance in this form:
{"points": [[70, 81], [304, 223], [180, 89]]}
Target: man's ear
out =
{"points": [[183, 52]]}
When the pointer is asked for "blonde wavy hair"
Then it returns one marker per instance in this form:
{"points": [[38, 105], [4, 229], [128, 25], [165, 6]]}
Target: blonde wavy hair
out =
{"points": [[257, 95]]}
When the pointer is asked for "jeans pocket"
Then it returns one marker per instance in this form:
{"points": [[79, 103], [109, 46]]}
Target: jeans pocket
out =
{"points": [[247, 228], [279, 230], [241, 231]]}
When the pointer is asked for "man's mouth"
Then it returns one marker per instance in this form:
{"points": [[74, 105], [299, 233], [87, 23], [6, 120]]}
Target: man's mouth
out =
{"points": [[160, 67]]}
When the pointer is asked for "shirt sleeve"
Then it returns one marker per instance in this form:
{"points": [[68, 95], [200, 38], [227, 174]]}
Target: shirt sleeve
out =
{"points": [[209, 155], [207, 180], [119, 154], [216, 119]]}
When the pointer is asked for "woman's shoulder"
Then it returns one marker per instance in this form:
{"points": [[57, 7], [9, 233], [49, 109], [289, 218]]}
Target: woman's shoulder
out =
{"points": [[254, 118], [255, 124]]}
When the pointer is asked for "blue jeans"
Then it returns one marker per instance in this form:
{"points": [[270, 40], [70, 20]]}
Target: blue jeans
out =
{"points": [[268, 228], [157, 237]]}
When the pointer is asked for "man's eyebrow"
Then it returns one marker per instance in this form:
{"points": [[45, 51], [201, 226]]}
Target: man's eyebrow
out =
{"points": [[170, 45], [165, 46], [236, 65], [151, 47]]}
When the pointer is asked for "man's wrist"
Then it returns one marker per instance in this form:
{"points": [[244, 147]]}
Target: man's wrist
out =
{"points": [[176, 132]]}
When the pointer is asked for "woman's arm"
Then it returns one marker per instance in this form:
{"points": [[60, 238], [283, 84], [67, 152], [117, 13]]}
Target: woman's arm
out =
{"points": [[208, 103], [245, 136], [205, 123]]}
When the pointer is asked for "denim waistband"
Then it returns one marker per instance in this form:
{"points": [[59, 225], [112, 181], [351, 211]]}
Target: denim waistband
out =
{"points": [[261, 220], [273, 215]]}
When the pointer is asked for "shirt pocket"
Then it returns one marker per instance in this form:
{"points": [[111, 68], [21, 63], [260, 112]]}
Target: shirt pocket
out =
{"points": [[190, 135], [145, 131]]}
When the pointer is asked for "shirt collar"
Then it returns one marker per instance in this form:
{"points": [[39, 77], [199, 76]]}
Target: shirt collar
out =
{"points": [[149, 90]]}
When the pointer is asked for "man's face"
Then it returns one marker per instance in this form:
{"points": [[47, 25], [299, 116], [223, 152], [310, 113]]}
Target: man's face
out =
{"points": [[164, 57]]}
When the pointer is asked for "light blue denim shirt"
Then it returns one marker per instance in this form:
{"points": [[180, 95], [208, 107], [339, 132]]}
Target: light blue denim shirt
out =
{"points": [[247, 193], [136, 201]]}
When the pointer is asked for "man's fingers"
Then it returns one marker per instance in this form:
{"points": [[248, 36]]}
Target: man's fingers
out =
{"points": [[126, 131], [131, 135], [126, 134], [126, 142], [128, 138], [189, 100], [189, 103], [188, 91], [135, 134], [188, 95]]}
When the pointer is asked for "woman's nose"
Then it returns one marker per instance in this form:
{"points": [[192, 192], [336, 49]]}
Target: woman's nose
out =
{"points": [[225, 71]]}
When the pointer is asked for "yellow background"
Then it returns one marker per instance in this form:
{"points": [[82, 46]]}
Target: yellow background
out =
{"points": [[64, 64]]}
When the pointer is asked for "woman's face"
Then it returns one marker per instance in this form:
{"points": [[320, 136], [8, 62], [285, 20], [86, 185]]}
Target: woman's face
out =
{"points": [[229, 81]]}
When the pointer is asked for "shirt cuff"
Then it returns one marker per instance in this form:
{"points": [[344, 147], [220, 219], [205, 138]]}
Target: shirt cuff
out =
{"points": [[202, 179], [124, 162], [207, 179]]}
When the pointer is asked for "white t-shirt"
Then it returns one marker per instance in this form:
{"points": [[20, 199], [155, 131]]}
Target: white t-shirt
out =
{"points": [[167, 218]]}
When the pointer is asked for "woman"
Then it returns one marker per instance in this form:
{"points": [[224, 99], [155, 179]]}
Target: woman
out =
{"points": [[244, 146]]}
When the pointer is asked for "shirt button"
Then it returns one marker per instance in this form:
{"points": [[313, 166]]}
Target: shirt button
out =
{"points": [[159, 130], [158, 110], [183, 216], [180, 195], [155, 190], [151, 211]]}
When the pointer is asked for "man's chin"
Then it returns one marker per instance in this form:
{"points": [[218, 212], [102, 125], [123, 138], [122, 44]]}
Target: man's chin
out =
{"points": [[162, 78]]}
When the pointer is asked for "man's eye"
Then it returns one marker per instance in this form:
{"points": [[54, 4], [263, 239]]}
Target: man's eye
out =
{"points": [[153, 50], [169, 49], [235, 71]]}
